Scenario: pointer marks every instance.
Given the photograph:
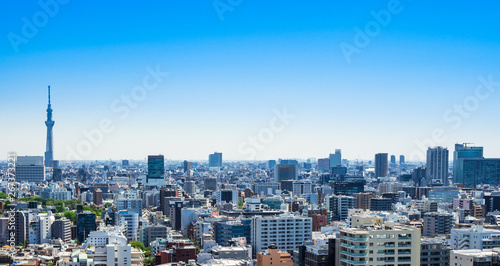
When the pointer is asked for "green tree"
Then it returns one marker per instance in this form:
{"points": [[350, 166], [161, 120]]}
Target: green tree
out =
{"points": [[3, 195], [70, 215], [138, 244], [148, 260], [60, 209]]}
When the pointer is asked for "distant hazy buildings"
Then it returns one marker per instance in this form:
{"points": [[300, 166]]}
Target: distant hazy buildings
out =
{"points": [[324, 165], [381, 164], [30, 169], [336, 158], [187, 166], [437, 165], [215, 159]]}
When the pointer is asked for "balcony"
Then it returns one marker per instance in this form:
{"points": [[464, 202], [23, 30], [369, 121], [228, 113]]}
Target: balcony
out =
{"points": [[353, 246], [355, 262]]}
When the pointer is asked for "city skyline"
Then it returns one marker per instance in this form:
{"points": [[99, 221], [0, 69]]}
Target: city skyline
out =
{"points": [[228, 78]]}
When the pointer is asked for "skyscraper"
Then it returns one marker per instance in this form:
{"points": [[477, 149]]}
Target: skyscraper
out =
{"points": [[215, 159], [156, 168], [49, 153], [462, 151], [401, 159], [393, 159], [437, 165], [336, 158], [381, 161]]}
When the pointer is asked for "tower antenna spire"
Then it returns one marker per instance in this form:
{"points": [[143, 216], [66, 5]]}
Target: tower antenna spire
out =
{"points": [[49, 94]]}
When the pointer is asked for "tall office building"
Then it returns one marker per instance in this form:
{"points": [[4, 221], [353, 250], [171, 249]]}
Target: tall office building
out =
{"points": [[30, 169], [336, 158], [401, 159], [462, 151], [215, 159], [393, 159], [285, 172], [156, 169], [49, 151], [471, 168], [85, 223], [381, 164], [437, 166]]}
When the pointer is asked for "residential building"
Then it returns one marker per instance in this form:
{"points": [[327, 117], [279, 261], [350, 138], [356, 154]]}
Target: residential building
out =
{"points": [[61, 229], [437, 166], [389, 245], [434, 252], [362, 200], [339, 206], [273, 256], [286, 231], [436, 223]]}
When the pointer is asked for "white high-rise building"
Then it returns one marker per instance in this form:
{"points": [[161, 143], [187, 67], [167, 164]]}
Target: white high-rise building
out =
{"points": [[287, 231], [129, 220], [46, 220]]}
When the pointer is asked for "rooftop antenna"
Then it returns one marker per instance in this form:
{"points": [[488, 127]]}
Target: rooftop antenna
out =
{"points": [[49, 94]]}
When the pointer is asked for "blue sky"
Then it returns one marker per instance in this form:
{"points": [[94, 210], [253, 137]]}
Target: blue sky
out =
{"points": [[227, 77]]}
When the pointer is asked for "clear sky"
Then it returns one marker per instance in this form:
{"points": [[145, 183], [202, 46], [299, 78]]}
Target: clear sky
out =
{"points": [[232, 65]]}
